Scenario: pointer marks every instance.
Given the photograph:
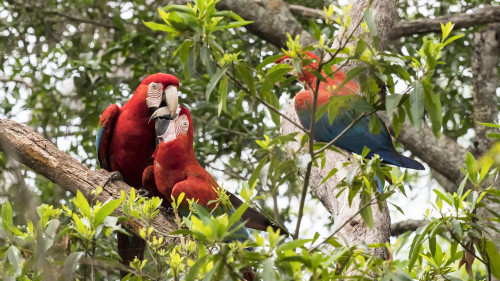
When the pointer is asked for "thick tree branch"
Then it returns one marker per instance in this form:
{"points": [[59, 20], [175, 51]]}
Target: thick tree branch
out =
{"points": [[404, 226], [484, 60], [480, 16], [26, 146], [272, 21]]}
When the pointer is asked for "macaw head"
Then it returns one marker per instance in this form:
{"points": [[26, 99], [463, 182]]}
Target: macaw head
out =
{"points": [[179, 129], [286, 59], [161, 90]]}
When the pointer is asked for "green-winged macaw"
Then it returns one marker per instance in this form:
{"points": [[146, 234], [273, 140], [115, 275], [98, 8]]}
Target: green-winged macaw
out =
{"points": [[177, 171], [126, 140], [359, 136]]}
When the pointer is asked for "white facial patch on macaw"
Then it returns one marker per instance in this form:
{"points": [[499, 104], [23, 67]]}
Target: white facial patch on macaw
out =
{"points": [[176, 128], [154, 96]]}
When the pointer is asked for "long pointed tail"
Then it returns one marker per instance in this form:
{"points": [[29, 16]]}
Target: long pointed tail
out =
{"points": [[394, 158], [130, 247]]}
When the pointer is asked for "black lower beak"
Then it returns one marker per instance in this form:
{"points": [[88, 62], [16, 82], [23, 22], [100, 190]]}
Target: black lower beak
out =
{"points": [[161, 126]]}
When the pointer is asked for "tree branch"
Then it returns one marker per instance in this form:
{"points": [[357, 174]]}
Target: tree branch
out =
{"points": [[272, 21], [489, 14], [480, 16], [5, 79], [404, 226], [26, 146], [484, 60]]}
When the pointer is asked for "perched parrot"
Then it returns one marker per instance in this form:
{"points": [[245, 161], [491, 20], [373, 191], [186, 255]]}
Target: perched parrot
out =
{"points": [[359, 136], [126, 140], [177, 171]]}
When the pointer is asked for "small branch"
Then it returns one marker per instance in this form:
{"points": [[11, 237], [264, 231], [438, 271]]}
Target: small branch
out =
{"points": [[5, 79], [66, 15], [404, 226]]}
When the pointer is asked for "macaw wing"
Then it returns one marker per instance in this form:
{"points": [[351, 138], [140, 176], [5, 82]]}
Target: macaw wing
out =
{"points": [[198, 186], [255, 219], [359, 136], [105, 132]]}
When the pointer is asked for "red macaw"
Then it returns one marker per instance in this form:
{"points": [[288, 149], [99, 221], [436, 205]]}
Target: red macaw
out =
{"points": [[177, 171], [359, 136], [126, 140]]}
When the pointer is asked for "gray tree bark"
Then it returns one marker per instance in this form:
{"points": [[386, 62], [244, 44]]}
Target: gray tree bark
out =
{"points": [[484, 59]]}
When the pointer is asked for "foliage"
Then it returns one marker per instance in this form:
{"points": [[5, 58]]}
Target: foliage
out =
{"points": [[230, 87]]}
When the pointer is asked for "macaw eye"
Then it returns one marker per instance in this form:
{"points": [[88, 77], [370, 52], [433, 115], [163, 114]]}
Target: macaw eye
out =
{"points": [[287, 61], [185, 124], [154, 86]]}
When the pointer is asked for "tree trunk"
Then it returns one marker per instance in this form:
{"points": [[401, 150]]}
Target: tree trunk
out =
{"points": [[348, 224]]}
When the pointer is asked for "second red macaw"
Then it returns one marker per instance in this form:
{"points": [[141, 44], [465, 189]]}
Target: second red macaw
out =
{"points": [[176, 169], [359, 136]]}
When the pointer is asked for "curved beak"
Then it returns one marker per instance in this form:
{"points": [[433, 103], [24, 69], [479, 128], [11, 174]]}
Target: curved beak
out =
{"points": [[162, 112], [171, 97]]}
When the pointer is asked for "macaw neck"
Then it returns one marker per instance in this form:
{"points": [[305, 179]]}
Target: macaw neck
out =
{"points": [[176, 154]]}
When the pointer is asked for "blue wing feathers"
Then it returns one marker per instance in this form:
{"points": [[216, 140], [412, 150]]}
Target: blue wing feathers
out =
{"points": [[358, 137]]}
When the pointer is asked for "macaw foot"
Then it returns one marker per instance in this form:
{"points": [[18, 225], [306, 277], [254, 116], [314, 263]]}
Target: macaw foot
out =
{"points": [[144, 193], [166, 211], [248, 273], [113, 176]]}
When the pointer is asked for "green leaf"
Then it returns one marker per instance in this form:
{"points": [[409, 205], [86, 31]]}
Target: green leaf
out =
{"points": [[489, 125], [446, 29], [233, 24], [268, 60], [268, 273], [70, 265], [433, 107], [374, 125], [292, 245], [159, 27], [366, 213], [106, 209], [256, 172], [7, 222], [494, 258], [236, 216], [330, 174], [15, 259], [417, 104], [472, 168], [246, 75], [223, 86], [370, 22], [81, 202], [351, 74], [193, 271], [391, 102], [213, 82]]}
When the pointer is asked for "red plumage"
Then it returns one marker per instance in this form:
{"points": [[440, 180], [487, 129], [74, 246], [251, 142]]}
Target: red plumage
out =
{"points": [[126, 141]]}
